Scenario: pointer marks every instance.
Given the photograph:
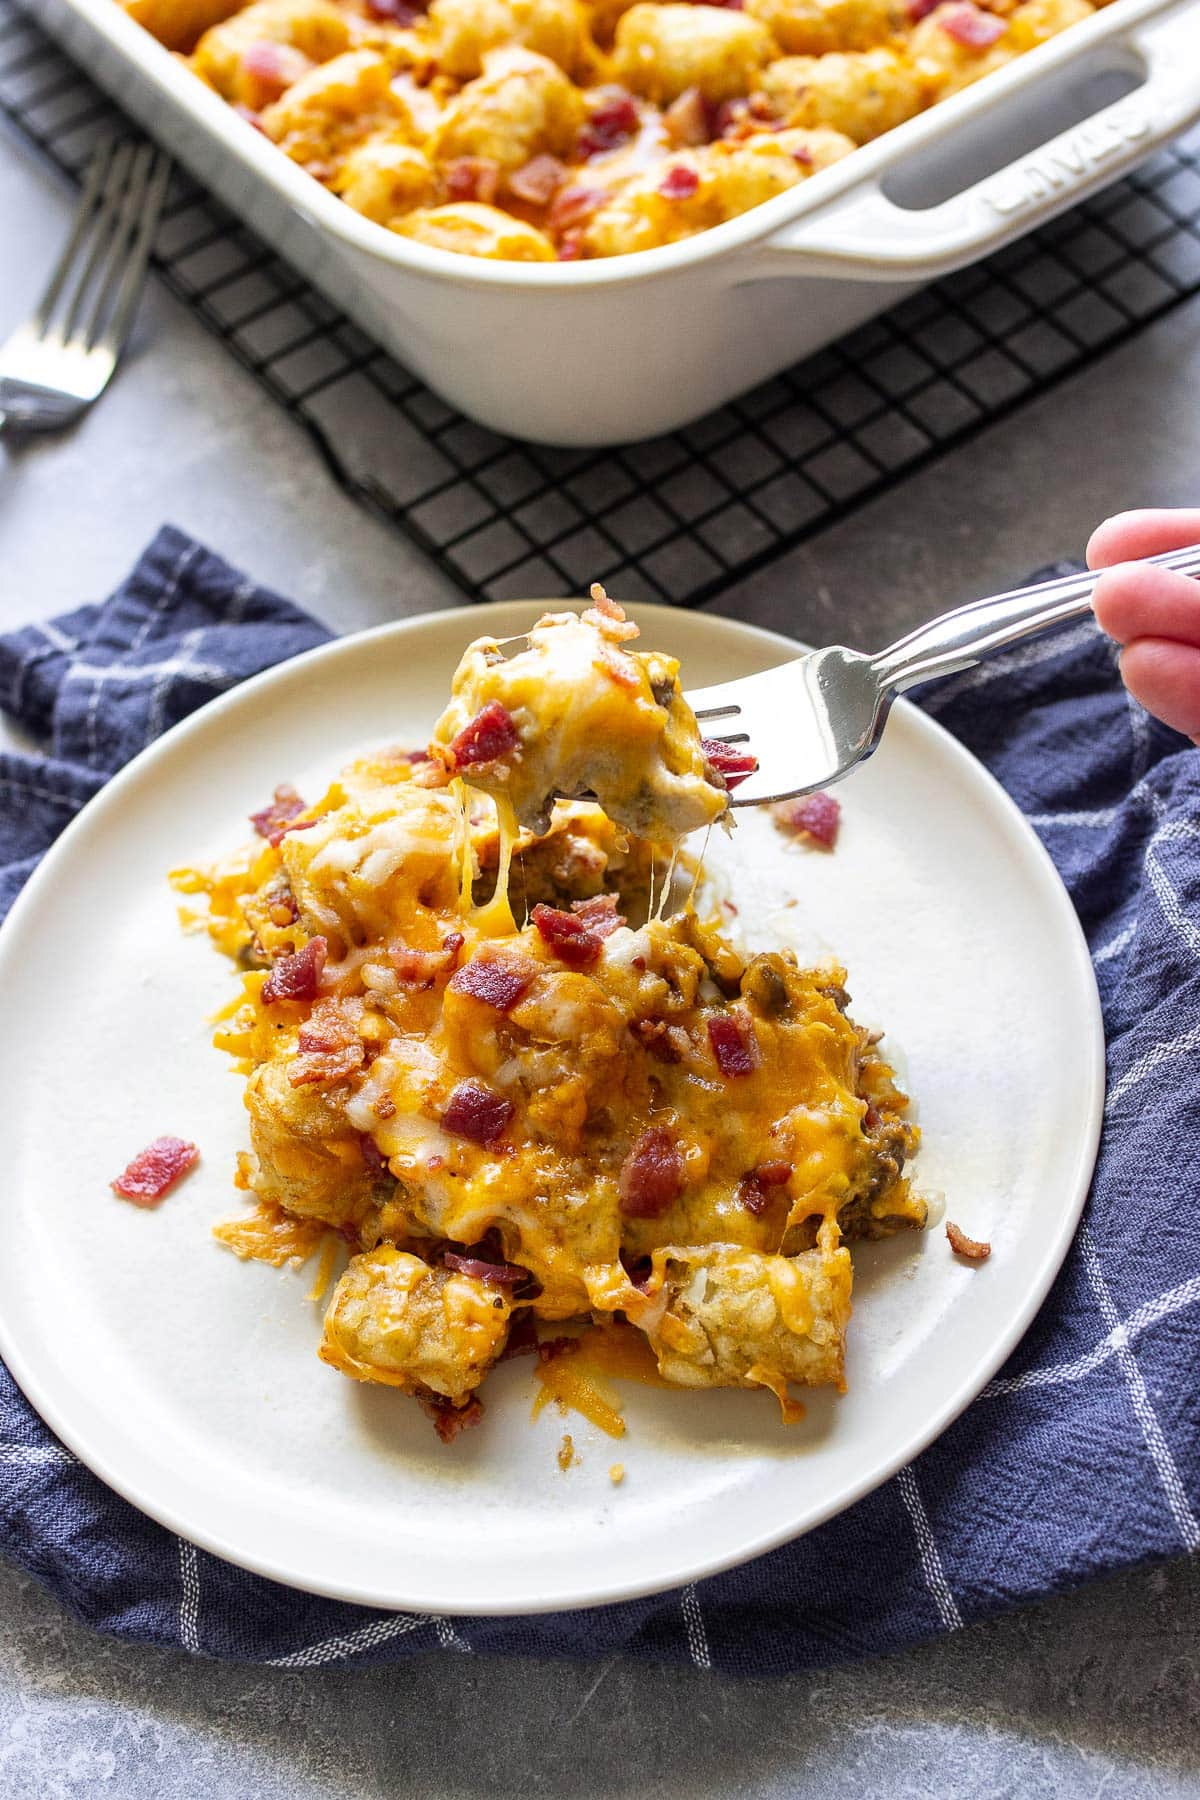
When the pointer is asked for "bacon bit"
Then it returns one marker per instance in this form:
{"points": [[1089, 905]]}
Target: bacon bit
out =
{"points": [[653, 1035], [491, 734], [599, 914], [687, 119], [611, 124], [608, 616], [327, 1066], [967, 25], [568, 936], [574, 206], [421, 968], [615, 663], [396, 12], [522, 1337], [491, 1273], [494, 981], [652, 1175], [733, 1045], [476, 1113], [553, 1348], [817, 816], [274, 67], [372, 1155], [155, 1170], [733, 766], [296, 977], [679, 183], [974, 1249], [539, 181], [248, 113], [754, 1189], [273, 821], [571, 248], [448, 1419], [473, 178], [384, 1107], [803, 155], [920, 9]]}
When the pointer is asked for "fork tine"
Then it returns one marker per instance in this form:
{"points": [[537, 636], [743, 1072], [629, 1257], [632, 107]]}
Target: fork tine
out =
{"points": [[106, 218], [135, 267], [97, 169], [123, 236]]}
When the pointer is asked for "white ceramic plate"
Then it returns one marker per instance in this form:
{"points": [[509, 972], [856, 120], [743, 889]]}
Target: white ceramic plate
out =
{"points": [[190, 1382]]}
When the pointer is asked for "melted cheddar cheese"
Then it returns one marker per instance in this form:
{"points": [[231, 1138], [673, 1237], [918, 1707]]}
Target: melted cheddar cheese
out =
{"points": [[483, 1058]]}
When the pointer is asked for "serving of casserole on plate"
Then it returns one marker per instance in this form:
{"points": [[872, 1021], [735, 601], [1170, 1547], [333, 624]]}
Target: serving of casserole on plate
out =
{"points": [[190, 1382]]}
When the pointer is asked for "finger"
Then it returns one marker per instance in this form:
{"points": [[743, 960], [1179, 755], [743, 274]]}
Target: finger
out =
{"points": [[1131, 534], [1165, 677], [1137, 600]]}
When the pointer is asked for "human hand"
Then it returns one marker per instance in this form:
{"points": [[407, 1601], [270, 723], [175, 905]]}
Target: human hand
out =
{"points": [[1154, 613]]}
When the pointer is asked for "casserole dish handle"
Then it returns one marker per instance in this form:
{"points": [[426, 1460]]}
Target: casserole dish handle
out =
{"points": [[865, 234]]}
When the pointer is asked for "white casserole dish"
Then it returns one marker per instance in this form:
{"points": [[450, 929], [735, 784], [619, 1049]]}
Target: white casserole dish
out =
{"points": [[613, 350]]}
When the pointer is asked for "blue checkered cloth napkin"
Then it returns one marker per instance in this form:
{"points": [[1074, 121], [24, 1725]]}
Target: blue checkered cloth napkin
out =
{"points": [[1082, 1456]]}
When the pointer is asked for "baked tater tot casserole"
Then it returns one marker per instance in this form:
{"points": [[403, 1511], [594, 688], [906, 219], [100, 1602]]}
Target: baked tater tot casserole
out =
{"points": [[536, 130], [493, 1044]]}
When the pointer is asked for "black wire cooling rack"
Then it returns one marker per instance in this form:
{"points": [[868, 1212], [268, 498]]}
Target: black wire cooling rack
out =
{"points": [[682, 516]]}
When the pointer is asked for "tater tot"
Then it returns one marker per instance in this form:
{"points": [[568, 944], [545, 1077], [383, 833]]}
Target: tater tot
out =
{"points": [[254, 56], [812, 27], [394, 1319], [178, 23], [385, 178], [476, 230], [663, 50], [862, 93], [467, 29], [661, 206], [319, 120], [522, 105]]}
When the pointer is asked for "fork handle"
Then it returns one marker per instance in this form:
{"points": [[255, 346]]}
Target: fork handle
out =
{"points": [[959, 639]]}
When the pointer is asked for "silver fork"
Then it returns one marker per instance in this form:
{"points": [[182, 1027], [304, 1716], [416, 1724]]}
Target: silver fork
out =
{"points": [[812, 720], [57, 363]]}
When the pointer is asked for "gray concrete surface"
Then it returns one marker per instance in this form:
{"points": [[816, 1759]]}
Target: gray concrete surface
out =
{"points": [[1096, 1694]]}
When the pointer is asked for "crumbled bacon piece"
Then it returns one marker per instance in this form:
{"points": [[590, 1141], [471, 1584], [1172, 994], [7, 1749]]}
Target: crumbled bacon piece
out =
{"points": [[652, 1175], [574, 206], [569, 936], [396, 12], [552, 1348], [655, 1036], [754, 1189], [733, 1044], [490, 735], [421, 968], [733, 766], [679, 183], [492, 1274], [971, 27], [473, 178], [803, 155], [609, 618], [920, 9], [615, 663], [273, 822], [274, 67], [448, 1419], [155, 1170], [816, 815], [476, 1113], [495, 981], [687, 119], [599, 914], [974, 1249], [571, 248], [318, 1067], [539, 180], [296, 977], [611, 124]]}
